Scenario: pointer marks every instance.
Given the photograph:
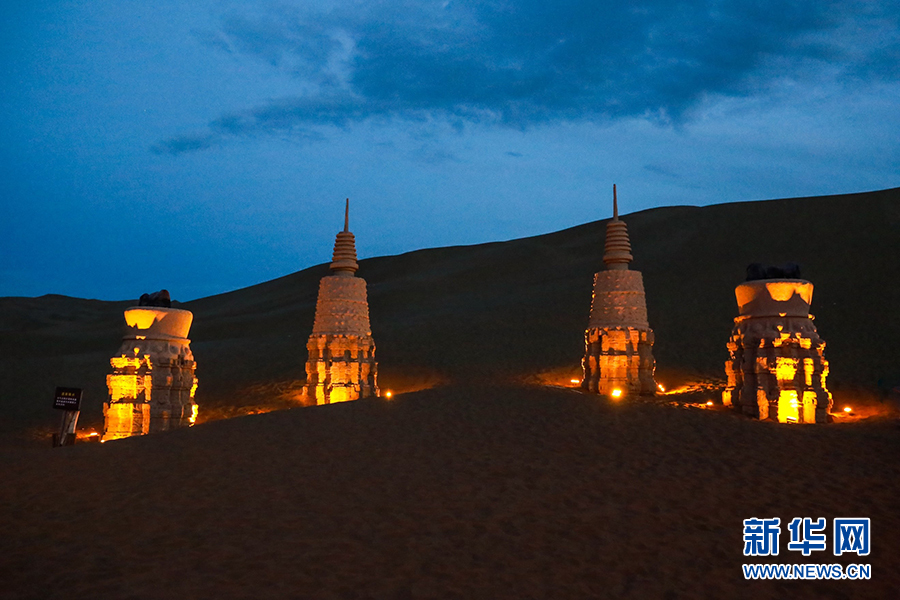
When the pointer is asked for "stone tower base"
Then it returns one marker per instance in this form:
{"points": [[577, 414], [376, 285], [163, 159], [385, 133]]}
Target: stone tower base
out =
{"points": [[618, 358], [340, 368], [153, 382], [777, 370], [776, 367]]}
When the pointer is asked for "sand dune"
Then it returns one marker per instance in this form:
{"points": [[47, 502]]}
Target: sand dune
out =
{"points": [[503, 310], [464, 492]]}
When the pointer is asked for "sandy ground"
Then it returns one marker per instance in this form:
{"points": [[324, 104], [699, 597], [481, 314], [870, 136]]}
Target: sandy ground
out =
{"points": [[445, 493]]}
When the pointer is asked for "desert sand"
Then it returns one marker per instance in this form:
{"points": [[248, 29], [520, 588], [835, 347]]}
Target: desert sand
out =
{"points": [[467, 483], [456, 492]]}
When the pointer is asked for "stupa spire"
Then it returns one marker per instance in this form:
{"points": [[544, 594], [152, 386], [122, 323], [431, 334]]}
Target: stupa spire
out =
{"points": [[343, 261], [617, 251], [615, 205]]}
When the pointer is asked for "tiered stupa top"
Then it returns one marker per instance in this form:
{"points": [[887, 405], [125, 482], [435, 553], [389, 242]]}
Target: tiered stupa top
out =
{"points": [[343, 261], [342, 307], [618, 291], [617, 255]]}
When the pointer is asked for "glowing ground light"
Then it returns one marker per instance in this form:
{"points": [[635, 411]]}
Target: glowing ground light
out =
{"points": [[388, 394], [848, 409], [575, 380], [661, 387], [617, 393], [709, 403]]}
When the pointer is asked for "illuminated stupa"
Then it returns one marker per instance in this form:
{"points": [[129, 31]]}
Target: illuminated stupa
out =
{"points": [[152, 385], [618, 343], [776, 368], [341, 363]]}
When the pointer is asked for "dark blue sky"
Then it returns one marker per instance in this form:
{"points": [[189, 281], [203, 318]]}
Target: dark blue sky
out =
{"points": [[209, 145]]}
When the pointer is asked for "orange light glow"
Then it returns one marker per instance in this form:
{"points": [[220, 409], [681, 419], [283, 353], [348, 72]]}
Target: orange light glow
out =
{"points": [[782, 291], [388, 394], [129, 387], [709, 403], [786, 368], [141, 318], [124, 362], [661, 387], [575, 380], [124, 419], [848, 409], [788, 406], [617, 393]]}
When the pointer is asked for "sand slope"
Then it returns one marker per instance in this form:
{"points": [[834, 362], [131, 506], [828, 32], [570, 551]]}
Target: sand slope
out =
{"points": [[508, 309], [447, 493]]}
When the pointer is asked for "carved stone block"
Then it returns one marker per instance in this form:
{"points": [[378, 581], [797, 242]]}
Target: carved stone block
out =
{"points": [[152, 384], [776, 368]]}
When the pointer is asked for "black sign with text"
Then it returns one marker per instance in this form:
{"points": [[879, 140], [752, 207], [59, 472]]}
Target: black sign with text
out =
{"points": [[67, 399]]}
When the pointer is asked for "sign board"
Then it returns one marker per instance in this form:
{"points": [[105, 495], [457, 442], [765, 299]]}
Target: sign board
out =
{"points": [[67, 398]]}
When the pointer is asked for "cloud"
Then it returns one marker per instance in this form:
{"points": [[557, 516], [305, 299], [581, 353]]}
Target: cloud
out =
{"points": [[184, 143], [430, 154], [660, 170], [520, 63]]}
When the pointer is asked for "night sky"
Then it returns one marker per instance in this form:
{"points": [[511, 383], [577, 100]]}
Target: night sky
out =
{"points": [[205, 146]]}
